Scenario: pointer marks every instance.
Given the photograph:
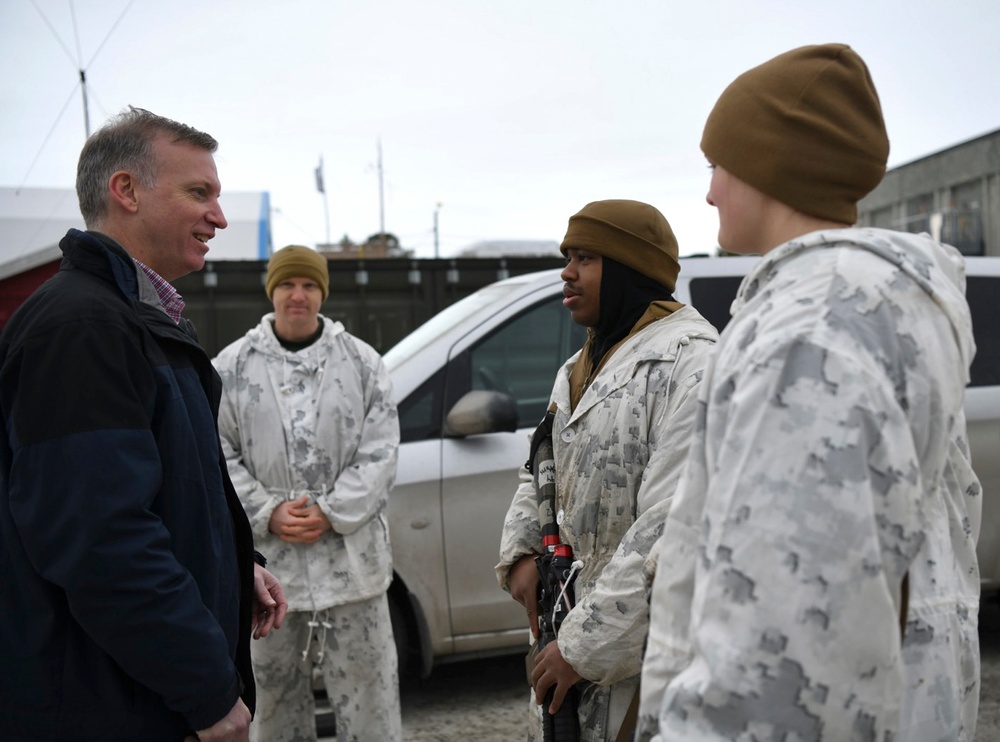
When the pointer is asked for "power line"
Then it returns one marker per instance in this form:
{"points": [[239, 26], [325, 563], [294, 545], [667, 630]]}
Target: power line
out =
{"points": [[110, 31], [47, 137], [78, 62], [55, 33]]}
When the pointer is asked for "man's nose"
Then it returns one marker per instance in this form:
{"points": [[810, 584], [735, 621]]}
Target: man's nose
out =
{"points": [[217, 218]]}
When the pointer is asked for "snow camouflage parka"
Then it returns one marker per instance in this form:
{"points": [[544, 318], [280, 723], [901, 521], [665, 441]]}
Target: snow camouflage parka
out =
{"points": [[318, 421], [618, 458], [830, 460]]}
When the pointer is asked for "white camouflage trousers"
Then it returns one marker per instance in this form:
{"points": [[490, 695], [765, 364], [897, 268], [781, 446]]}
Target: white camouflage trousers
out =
{"points": [[353, 647]]}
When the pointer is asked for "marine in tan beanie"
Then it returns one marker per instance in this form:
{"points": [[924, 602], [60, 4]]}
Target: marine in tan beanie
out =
{"points": [[620, 417], [843, 363], [621, 270], [804, 128], [297, 261], [631, 232]]}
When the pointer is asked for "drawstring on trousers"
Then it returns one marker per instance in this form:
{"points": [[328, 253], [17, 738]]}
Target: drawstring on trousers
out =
{"points": [[318, 622]]}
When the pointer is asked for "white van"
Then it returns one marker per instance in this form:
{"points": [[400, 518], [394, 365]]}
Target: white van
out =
{"points": [[471, 385]]}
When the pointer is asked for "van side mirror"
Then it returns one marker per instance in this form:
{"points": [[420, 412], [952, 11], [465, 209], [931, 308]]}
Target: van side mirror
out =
{"points": [[479, 412]]}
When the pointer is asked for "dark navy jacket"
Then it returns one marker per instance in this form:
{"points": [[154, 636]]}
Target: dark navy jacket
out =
{"points": [[126, 569]]}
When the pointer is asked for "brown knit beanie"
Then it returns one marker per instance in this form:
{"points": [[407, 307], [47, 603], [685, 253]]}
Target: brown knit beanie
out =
{"points": [[805, 128], [296, 261], [633, 233]]}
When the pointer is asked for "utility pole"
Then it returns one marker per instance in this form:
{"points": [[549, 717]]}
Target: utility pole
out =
{"points": [[437, 208], [381, 199]]}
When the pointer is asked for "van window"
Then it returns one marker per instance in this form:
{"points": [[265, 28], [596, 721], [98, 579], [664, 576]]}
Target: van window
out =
{"points": [[713, 296], [420, 412], [440, 324], [981, 293], [521, 358]]}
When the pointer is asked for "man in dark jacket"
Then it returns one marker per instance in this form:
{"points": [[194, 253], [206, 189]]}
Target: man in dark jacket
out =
{"points": [[127, 570]]}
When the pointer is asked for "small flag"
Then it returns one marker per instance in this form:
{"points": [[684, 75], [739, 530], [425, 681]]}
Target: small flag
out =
{"points": [[319, 176]]}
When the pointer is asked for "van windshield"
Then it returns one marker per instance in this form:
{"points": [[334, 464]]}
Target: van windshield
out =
{"points": [[441, 323]]}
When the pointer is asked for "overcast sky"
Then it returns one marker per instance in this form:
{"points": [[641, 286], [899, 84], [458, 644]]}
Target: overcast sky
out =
{"points": [[512, 114]]}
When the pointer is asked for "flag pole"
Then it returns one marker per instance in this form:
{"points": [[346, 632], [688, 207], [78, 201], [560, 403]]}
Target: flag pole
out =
{"points": [[320, 186]]}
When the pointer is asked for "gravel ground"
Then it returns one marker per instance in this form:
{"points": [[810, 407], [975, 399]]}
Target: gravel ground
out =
{"points": [[988, 723], [485, 700]]}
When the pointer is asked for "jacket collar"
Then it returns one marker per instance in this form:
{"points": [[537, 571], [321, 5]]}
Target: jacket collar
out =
{"points": [[100, 255], [584, 371], [96, 253], [645, 344]]}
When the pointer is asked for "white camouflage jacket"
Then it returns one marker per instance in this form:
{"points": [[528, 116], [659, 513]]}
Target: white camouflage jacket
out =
{"points": [[318, 421], [618, 457], [830, 461]]}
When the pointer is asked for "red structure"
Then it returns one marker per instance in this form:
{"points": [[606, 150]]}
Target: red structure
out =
{"points": [[15, 289]]}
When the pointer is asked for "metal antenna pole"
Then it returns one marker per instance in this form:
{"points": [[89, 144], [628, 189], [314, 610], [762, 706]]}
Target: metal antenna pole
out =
{"points": [[86, 108], [83, 73]]}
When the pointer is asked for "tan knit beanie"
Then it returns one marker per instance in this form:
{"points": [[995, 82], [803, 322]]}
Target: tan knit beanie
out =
{"points": [[631, 232], [805, 128], [296, 261]]}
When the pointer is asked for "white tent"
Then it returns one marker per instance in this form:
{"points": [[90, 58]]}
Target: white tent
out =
{"points": [[33, 220]]}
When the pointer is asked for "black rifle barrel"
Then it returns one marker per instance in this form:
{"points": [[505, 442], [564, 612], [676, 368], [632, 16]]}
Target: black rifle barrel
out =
{"points": [[555, 598], [555, 584]]}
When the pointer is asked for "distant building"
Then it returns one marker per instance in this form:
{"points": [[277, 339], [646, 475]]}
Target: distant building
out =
{"points": [[511, 249], [954, 195], [377, 246]]}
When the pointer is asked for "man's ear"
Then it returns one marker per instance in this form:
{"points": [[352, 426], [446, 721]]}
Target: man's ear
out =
{"points": [[122, 190]]}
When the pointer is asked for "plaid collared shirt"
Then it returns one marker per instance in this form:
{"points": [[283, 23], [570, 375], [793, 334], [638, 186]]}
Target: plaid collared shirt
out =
{"points": [[173, 303]]}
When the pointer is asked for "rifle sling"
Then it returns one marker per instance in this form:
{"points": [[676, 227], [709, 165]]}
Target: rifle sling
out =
{"points": [[627, 729]]}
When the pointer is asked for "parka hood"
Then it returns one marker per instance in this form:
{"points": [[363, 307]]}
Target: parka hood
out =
{"points": [[263, 340], [939, 269]]}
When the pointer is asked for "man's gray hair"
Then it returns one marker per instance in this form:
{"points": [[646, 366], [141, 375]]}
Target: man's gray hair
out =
{"points": [[126, 143]]}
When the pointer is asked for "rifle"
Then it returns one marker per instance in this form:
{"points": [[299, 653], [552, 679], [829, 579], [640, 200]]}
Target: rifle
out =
{"points": [[556, 572]]}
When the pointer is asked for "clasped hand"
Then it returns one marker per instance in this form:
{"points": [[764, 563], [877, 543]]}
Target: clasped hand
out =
{"points": [[298, 522]]}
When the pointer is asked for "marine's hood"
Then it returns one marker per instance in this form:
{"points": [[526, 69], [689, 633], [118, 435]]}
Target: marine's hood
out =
{"points": [[937, 268], [262, 338]]}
